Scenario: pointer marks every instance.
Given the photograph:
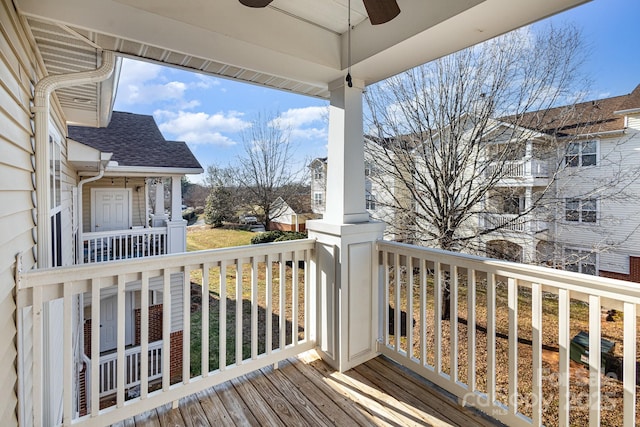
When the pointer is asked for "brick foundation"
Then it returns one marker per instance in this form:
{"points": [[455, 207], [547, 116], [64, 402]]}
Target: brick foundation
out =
{"points": [[634, 271], [87, 337], [175, 370], [155, 324]]}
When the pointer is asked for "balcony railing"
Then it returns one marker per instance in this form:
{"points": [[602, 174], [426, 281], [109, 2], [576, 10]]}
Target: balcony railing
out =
{"points": [[506, 345], [132, 375], [258, 314], [123, 244], [520, 169], [513, 223], [497, 335]]}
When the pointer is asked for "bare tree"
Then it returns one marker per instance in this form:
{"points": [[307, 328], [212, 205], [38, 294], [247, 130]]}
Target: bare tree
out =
{"points": [[431, 126], [438, 148], [265, 171]]}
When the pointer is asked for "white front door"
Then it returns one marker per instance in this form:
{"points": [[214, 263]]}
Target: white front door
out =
{"points": [[109, 322], [111, 209]]}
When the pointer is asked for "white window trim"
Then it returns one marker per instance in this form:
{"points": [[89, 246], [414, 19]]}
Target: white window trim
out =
{"points": [[318, 201], [371, 199], [580, 202], [581, 142], [588, 252]]}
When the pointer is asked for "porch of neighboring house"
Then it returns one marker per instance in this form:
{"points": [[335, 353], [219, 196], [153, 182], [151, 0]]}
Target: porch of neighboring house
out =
{"points": [[126, 217]]}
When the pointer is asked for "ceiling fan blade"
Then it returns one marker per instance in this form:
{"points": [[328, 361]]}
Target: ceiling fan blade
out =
{"points": [[381, 11], [256, 3]]}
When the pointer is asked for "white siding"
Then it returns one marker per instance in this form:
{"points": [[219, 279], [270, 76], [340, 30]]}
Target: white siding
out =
{"points": [[633, 122], [615, 182], [17, 72]]}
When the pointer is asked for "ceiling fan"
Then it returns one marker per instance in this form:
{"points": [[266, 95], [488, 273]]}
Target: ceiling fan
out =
{"points": [[379, 11]]}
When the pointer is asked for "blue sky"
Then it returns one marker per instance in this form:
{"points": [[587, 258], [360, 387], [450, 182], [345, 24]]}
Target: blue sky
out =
{"points": [[210, 113]]}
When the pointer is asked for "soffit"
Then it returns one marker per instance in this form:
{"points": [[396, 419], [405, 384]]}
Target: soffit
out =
{"points": [[295, 45]]}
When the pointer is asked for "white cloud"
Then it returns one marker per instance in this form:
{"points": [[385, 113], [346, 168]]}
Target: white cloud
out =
{"points": [[299, 117], [310, 133], [144, 83], [201, 128]]}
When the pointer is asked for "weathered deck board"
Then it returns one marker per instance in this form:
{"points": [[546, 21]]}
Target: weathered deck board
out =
{"points": [[214, 409], [305, 391], [332, 408]]}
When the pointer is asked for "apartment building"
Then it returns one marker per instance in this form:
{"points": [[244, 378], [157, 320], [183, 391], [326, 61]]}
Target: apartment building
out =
{"points": [[567, 195]]}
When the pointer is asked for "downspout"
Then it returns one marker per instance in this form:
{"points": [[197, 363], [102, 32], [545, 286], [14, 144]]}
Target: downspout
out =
{"points": [[40, 110], [104, 158]]}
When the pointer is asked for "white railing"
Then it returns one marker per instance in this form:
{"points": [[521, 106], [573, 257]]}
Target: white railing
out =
{"points": [[509, 348], [123, 244], [133, 362], [259, 313], [513, 223], [520, 169]]}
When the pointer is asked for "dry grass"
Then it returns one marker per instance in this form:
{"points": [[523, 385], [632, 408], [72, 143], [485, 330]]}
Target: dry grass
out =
{"points": [[611, 389]]}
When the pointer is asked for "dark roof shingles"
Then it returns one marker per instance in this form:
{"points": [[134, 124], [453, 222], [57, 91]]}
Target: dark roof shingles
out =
{"points": [[135, 140]]}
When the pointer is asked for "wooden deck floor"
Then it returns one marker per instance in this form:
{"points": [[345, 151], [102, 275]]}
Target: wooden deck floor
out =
{"points": [[305, 391]]}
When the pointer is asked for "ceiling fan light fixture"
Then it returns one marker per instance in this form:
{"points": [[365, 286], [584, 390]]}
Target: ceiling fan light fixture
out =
{"points": [[256, 3], [381, 11]]}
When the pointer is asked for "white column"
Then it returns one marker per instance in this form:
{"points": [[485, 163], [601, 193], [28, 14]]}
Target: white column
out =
{"points": [[345, 267], [345, 165], [176, 198], [159, 218], [159, 207], [176, 226]]}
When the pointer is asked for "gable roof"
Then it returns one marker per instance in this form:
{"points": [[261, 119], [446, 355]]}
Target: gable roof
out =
{"points": [[136, 141], [591, 117]]}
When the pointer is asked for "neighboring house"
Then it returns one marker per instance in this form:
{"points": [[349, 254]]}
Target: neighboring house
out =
{"points": [[374, 205], [114, 222], [589, 190], [569, 196], [318, 169], [291, 216]]}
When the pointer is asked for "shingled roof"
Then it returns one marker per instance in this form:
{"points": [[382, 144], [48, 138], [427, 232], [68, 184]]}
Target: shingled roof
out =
{"points": [[135, 140], [584, 118]]}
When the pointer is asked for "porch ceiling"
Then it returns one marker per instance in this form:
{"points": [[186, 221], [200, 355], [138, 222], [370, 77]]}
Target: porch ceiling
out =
{"points": [[294, 45]]}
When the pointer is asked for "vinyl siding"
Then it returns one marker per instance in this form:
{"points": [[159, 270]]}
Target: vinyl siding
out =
{"points": [[615, 235], [17, 72]]}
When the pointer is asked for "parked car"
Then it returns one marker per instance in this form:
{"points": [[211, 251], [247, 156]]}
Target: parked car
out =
{"points": [[248, 219]]}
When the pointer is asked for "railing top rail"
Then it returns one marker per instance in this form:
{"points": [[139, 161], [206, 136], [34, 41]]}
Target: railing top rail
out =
{"points": [[602, 286], [87, 272], [125, 232]]}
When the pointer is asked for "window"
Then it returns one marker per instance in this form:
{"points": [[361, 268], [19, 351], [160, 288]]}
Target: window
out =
{"points": [[367, 169], [370, 202], [581, 210], [582, 153], [55, 208], [317, 174], [580, 261], [317, 199]]}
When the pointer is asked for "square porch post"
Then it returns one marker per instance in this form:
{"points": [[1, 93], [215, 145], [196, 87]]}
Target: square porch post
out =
{"points": [[176, 225], [345, 265]]}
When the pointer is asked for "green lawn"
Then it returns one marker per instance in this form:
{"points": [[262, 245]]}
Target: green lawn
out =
{"points": [[201, 238]]}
